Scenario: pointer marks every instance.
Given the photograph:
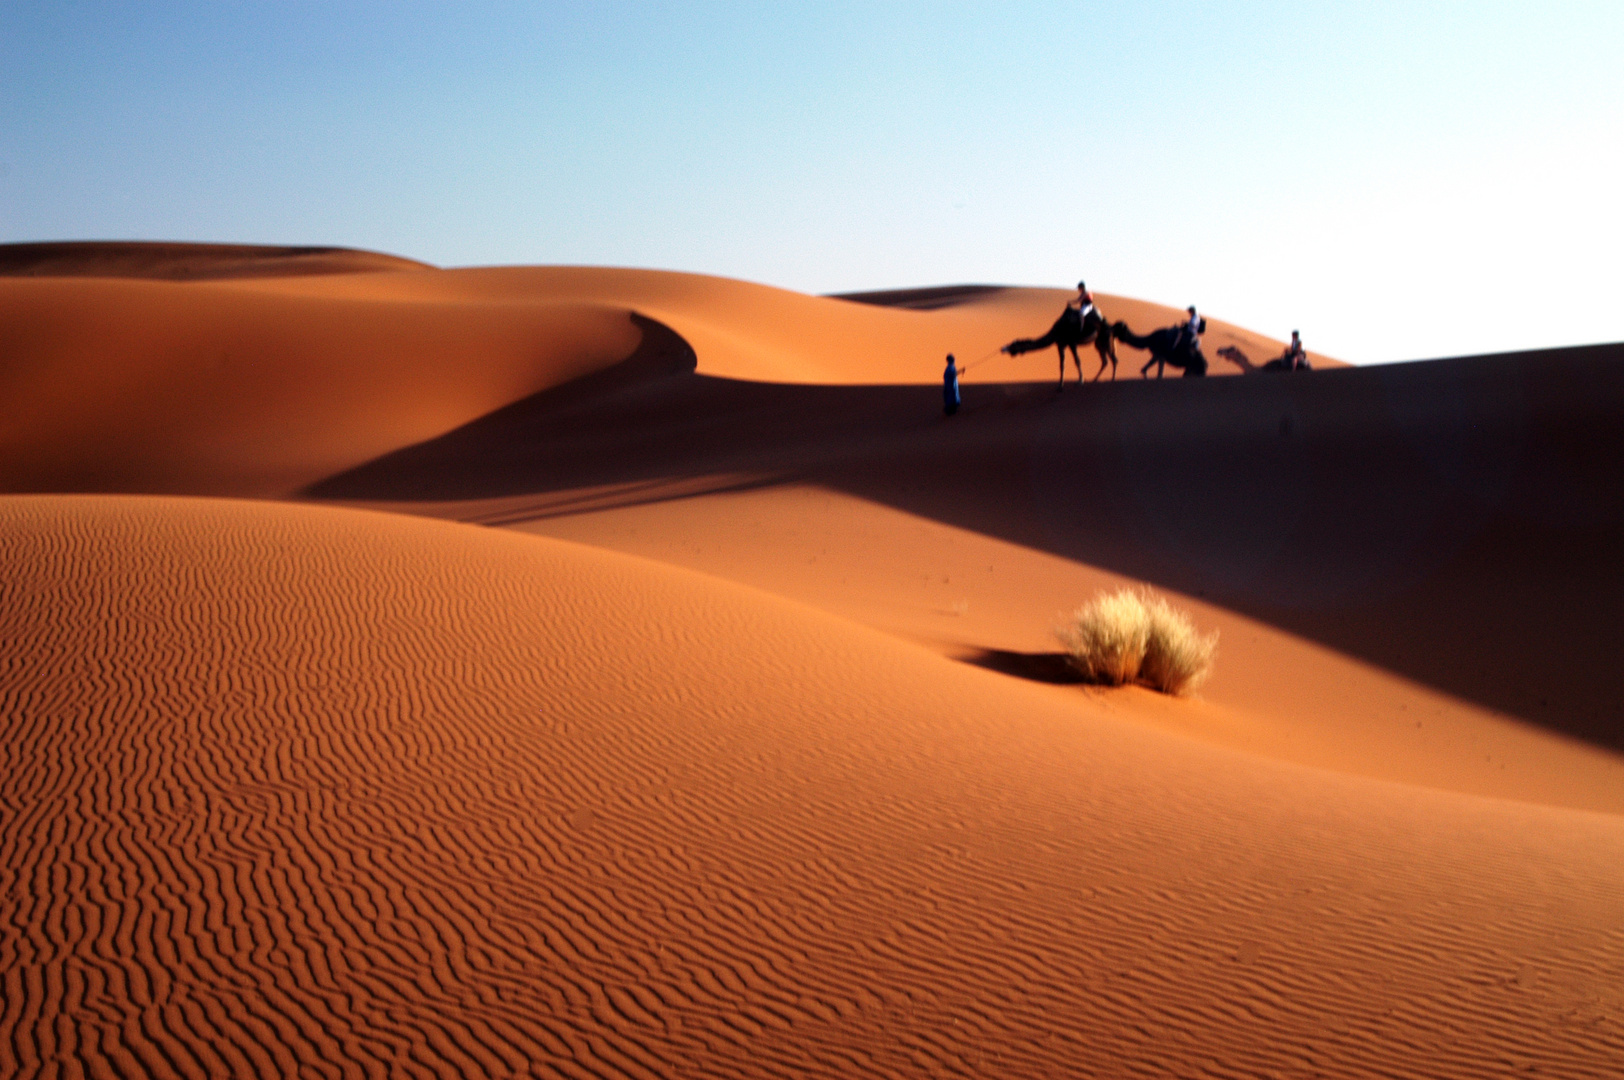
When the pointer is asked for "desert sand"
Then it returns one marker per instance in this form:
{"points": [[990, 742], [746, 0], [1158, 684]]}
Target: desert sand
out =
{"points": [[573, 671]]}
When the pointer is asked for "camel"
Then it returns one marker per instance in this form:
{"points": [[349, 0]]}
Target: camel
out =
{"points": [[1242, 361], [1068, 332], [1166, 347]]}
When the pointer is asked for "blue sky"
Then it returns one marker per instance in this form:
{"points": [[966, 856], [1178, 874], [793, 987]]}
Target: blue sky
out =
{"points": [[1400, 180]]}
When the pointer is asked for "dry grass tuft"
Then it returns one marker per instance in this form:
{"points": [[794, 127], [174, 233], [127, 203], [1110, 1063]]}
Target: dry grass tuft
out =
{"points": [[1107, 638], [1179, 658], [1129, 636]]}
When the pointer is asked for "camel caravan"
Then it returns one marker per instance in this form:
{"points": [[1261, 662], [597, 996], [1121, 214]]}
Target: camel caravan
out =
{"points": [[1082, 324]]}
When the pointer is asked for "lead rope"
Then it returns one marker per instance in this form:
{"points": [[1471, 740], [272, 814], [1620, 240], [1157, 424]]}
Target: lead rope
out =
{"points": [[983, 358]]}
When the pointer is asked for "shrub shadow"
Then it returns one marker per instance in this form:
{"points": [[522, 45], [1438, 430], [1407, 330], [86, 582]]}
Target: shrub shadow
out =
{"points": [[1047, 667]]}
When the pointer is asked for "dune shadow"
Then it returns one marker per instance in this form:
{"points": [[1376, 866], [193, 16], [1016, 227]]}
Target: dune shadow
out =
{"points": [[651, 420], [1046, 667], [1454, 521], [642, 493], [525, 446]]}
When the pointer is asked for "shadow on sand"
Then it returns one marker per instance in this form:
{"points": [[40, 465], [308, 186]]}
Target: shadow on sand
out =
{"points": [[1051, 668], [1455, 521]]}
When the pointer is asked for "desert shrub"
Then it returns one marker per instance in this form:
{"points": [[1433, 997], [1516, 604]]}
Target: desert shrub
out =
{"points": [[1129, 636], [1107, 637], [1178, 659]]}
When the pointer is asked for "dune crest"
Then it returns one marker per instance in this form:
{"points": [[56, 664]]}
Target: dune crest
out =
{"points": [[147, 386], [261, 385], [173, 261], [744, 330]]}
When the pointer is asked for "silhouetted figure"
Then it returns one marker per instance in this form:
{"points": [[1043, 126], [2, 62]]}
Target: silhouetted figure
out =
{"points": [[1083, 303], [1194, 327], [1295, 358], [1079, 324], [950, 387], [1173, 346]]}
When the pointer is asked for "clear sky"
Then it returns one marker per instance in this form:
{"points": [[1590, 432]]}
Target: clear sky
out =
{"points": [[1399, 180]]}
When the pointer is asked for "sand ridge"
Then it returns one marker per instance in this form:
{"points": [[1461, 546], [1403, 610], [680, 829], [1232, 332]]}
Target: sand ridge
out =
{"points": [[388, 795], [260, 385], [188, 262], [156, 386], [745, 330]]}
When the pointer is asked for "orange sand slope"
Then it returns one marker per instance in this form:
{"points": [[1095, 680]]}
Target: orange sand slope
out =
{"points": [[154, 386], [261, 385], [993, 603], [297, 790], [742, 330], [1454, 522]]}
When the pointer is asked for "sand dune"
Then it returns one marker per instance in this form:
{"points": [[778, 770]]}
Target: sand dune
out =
{"points": [[991, 602], [1420, 520], [152, 386], [188, 262], [274, 379], [758, 758], [742, 330], [299, 790]]}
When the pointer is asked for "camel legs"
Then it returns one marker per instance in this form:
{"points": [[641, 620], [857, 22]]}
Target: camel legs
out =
{"points": [[1060, 348], [1107, 353], [1160, 361]]}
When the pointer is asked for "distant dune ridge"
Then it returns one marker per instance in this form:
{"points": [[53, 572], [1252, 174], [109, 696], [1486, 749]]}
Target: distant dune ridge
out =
{"points": [[736, 742], [267, 381], [188, 262]]}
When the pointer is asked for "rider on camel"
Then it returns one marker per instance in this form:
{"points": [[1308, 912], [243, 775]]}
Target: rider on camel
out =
{"points": [[1190, 341], [1295, 358], [1080, 323], [1083, 303], [1078, 309]]}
